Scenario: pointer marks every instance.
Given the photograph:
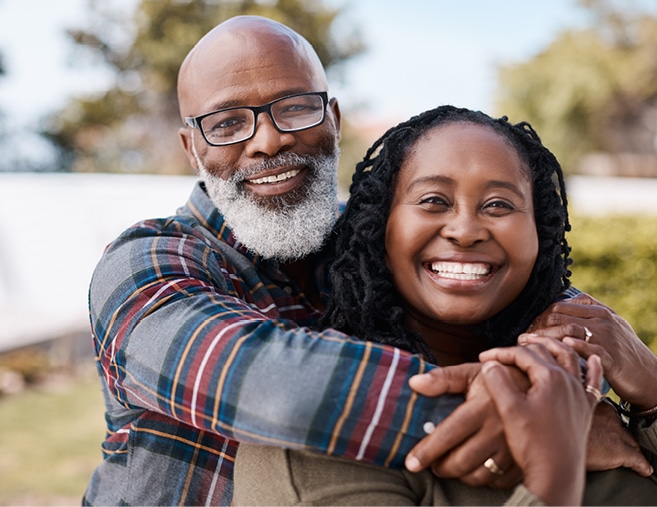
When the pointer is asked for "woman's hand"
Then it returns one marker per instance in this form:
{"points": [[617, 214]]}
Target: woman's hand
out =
{"points": [[547, 426], [610, 444], [458, 446]]}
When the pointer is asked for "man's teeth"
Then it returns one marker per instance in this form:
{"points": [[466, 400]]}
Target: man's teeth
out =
{"points": [[276, 178], [460, 271]]}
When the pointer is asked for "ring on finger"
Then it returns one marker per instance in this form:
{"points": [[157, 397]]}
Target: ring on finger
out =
{"points": [[493, 467], [595, 392], [588, 334]]}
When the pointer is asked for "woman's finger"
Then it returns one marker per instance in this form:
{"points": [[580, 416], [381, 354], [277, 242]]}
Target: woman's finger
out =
{"points": [[566, 356]]}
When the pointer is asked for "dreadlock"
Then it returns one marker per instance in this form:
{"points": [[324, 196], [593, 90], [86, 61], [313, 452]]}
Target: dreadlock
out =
{"points": [[365, 302]]}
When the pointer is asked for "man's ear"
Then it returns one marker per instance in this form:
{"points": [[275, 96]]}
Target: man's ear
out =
{"points": [[185, 135], [333, 104]]}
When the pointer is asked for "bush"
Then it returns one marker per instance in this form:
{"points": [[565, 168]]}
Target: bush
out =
{"points": [[615, 261]]}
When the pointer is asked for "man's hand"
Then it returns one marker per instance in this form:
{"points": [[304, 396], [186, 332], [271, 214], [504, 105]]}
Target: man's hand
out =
{"points": [[611, 446], [473, 433], [630, 366]]}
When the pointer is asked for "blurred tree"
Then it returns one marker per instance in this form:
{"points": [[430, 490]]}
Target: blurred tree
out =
{"points": [[591, 89], [132, 127]]}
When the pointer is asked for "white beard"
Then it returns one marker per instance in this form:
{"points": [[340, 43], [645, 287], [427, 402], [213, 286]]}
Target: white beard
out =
{"points": [[286, 231]]}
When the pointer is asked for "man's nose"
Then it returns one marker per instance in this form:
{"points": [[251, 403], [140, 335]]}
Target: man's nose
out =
{"points": [[267, 140]]}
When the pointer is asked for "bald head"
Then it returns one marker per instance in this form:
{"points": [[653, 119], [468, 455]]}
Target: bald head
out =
{"points": [[241, 58]]}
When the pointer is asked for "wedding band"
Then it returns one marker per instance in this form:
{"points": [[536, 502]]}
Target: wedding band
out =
{"points": [[588, 334], [492, 467], [595, 392]]}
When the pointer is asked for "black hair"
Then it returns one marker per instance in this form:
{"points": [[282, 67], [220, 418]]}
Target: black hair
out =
{"points": [[364, 301]]}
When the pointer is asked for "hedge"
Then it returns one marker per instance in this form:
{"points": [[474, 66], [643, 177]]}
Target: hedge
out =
{"points": [[615, 260]]}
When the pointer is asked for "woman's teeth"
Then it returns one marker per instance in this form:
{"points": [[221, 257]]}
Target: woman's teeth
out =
{"points": [[460, 271]]}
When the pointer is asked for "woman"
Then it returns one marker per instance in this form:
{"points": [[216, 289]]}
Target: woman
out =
{"points": [[452, 243]]}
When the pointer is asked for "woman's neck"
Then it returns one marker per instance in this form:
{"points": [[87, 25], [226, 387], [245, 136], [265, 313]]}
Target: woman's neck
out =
{"points": [[449, 343]]}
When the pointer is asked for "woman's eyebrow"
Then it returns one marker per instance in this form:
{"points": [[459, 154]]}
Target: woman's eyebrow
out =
{"points": [[444, 180], [507, 185]]}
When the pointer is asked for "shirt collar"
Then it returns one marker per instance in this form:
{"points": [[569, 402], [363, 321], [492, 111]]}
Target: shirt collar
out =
{"points": [[203, 209]]}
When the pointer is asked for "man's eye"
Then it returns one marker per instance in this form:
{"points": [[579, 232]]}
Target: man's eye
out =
{"points": [[225, 126], [227, 123], [298, 110]]}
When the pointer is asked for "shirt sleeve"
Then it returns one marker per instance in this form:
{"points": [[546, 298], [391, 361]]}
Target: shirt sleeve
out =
{"points": [[645, 432], [172, 336]]}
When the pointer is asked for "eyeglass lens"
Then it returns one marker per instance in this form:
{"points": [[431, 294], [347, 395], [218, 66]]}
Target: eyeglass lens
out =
{"points": [[289, 114]]}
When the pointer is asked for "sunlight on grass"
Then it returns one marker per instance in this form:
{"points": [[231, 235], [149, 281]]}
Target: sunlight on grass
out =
{"points": [[50, 439]]}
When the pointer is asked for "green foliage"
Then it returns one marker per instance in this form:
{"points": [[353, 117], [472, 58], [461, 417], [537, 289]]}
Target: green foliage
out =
{"points": [[133, 126], [615, 261], [591, 89]]}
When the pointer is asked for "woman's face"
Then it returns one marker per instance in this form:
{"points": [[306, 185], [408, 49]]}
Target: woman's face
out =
{"points": [[461, 238]]}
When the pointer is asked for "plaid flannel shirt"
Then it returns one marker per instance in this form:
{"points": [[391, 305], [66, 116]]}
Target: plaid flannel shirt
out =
{"points": [[200, 343]]}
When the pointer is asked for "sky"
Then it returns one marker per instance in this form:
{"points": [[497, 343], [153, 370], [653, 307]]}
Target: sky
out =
{"points": [[421, 53]]}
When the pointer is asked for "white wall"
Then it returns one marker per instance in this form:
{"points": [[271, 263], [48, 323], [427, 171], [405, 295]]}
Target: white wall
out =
{"points": [[53, 229]]}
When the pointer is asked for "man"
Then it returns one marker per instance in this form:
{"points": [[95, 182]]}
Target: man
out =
{"points": [[203, 322]]}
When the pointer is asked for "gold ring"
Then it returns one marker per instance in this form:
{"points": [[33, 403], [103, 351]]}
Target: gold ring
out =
{"points": [[595, 392], [492, 467], [588, 333]]}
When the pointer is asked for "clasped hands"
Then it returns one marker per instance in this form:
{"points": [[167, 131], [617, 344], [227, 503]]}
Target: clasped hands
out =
{"points": [[528, 389]]}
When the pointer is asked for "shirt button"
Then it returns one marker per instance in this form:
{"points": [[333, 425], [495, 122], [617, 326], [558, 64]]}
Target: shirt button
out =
{"points": [[287, 289], [428, 427]]}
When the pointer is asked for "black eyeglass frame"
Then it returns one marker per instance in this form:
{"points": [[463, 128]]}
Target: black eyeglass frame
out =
{"points": [[195, 121]]}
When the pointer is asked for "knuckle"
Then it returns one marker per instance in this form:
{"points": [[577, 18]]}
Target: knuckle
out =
{"points": [[571, 329]]}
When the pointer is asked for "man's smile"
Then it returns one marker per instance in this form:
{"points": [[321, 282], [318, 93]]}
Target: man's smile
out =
{"points": [[275, 178], [277, 181]]}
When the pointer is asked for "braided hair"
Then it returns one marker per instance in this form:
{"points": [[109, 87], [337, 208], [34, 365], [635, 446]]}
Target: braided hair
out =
{"points": [[364, 300]]}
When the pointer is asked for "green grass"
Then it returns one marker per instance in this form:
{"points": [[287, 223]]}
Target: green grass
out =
{"points": [[50, 441]]}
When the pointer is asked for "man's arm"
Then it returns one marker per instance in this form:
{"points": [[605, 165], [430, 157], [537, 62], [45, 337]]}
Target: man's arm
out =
{"points": [[172, 335]]}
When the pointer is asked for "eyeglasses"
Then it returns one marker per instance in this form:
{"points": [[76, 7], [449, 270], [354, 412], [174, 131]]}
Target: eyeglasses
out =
{"points": [[236, 124]]}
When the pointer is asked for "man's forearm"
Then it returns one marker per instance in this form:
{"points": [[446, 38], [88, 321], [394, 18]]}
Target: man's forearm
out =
{"points": [[175, 345]]}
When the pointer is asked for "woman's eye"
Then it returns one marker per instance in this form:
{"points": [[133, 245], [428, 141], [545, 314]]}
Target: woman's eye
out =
{"points": [[433, 201], [499, 206]]}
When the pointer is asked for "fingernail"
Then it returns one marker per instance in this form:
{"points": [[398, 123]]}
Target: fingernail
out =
{"points": [[568, 341], [413, 464], [522, 339]]}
